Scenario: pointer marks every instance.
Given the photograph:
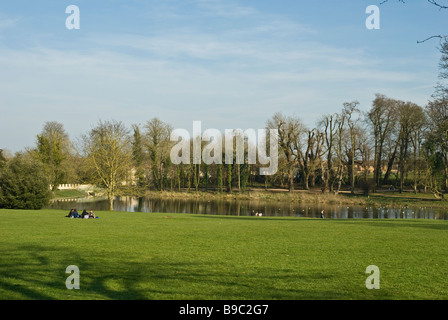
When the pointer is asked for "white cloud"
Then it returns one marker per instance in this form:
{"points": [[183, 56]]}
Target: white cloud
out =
{"points": [[226, 9]]}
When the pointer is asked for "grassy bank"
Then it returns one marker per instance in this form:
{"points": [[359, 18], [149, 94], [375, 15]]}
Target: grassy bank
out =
{"points": [[68, 193], [180, 256], [396, 199], [272, 195]]}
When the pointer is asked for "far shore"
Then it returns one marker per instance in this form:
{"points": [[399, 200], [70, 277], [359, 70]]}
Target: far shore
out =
{"points": [[383, 198]]}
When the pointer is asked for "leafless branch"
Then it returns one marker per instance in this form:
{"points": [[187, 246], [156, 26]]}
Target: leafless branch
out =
{"points": [[433, 2], [388, 1], [437, 4], [440, 37]]}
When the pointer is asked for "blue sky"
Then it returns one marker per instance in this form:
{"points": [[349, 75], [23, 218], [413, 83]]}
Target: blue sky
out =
{"points": [[230, 64]]}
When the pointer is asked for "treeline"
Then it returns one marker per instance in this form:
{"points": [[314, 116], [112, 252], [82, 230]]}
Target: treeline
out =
{"points": [[394, 143]]}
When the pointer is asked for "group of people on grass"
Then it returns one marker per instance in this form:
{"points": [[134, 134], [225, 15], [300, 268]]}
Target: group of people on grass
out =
{"points": [[257, 214], [84, 215]]}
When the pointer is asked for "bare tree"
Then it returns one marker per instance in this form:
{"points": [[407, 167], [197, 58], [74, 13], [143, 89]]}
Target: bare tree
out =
{"points": [[312, 155], [442, 86], [107, 149], [437, 137], [382, 118], [351, 110], [329, 126], [340, 128], [290, 130], [410, 119], [365, 150]]}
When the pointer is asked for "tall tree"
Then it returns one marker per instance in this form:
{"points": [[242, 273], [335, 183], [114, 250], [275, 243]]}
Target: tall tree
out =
{"points": [[329, 125], [351, 111], [290, 130], [443, 65], [52, 149], [382, 117], [312, 156], [229, 177], [107, 149], [158, 145], [410, 119], [138, 156], [340, 129], [365, 148], [220, 177], [441, 89], [437, 135], [417, 136], [244, 175], [2, 158]]}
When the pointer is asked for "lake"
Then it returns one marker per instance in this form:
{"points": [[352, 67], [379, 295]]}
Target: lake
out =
{"points": [[245, 207]]}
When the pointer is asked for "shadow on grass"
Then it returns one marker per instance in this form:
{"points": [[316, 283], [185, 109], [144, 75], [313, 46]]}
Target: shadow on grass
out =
{"points": [[411, 224], [24, 272], [37, 272], [399, 223]]}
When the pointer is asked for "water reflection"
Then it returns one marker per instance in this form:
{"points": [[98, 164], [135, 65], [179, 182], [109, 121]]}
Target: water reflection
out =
{"points": [[245, 207]]}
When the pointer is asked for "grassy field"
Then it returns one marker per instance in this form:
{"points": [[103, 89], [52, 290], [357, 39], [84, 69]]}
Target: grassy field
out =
{"points": [[179, 256], [69, 193]]}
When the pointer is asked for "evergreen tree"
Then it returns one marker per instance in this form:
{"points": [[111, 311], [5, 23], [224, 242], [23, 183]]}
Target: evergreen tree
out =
{"points": [[229, 178], [220, 182], [24, 184], [138, 157]]}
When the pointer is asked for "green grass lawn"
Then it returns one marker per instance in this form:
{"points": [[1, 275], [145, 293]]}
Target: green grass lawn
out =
{"points": [[69, 193], [179, 256]]}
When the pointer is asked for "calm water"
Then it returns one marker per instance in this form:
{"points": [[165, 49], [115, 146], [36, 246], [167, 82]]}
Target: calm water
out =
{"points": [[244, 208]]}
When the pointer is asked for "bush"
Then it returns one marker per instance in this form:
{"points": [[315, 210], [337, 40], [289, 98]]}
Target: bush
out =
{"points": [[367, 186], [24, 184]]}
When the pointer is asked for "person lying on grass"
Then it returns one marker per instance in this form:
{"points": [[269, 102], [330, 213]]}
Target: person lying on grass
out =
{"points": [[85, 215]]}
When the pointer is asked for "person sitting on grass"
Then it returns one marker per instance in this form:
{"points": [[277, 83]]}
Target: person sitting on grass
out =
{"points": [[75, 214], [85, 214], [70, 214], [91, 215]]}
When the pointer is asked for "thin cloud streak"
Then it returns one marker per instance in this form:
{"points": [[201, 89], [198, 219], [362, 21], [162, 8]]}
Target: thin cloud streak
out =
{"points": [[219, 60]]}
